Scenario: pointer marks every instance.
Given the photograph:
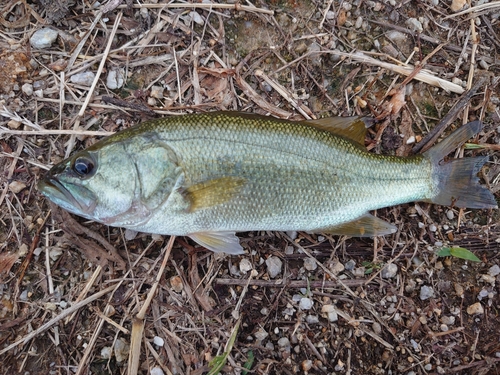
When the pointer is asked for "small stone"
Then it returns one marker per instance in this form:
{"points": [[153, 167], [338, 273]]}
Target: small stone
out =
{"points": [[312, 319], [359, 272], [443, 328], [377, 328], [432, 228], [306, 365], [55, 253], [17, 186], [264, 311], [156, 371], [306, 304], [106, 352], [494, 270], [310, 264], [261, 334], [389, 271], [475, 309], [414, 24], [27, 89], [459, 289], [396, 36], [245, 265], [158, 341], [176, 284], [274, 265], [330, 313], [448, 320], [410, 140], [450, 214], [457, 5], [121, 350], [284, 343], [43, 38], [488, 279], [426, 292], [14, 124], [84, 79], [350, 264], [195, 16], [130, 234], [114, 80], [157, 92], [337, 268], [483, 64]]}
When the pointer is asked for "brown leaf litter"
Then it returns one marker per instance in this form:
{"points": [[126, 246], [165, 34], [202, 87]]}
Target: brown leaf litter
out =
{"points": [[78, 297]]}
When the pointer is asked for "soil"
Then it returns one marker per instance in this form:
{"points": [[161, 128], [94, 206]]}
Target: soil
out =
{"points": [[80, 297]]}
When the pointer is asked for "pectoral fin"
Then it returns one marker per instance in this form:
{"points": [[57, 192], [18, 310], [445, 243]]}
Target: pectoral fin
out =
{"points": [[219, 242], [364, 226], [213, 192]]}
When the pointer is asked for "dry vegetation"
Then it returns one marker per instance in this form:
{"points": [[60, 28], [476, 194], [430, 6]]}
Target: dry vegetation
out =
{"points": [[77, 297]]}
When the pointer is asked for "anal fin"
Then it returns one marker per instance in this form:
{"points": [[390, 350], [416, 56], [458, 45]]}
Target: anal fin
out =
{"points": [[364, 226], [219, 242]]}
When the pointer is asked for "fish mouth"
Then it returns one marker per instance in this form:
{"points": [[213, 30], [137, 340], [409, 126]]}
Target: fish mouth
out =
{"points": [[53, 189]]}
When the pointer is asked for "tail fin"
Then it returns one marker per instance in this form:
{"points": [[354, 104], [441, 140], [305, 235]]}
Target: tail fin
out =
{"points": [[456, 181]]}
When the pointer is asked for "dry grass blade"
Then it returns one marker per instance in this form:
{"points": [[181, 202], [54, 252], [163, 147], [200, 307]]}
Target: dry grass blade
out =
{"points": [[359, 306], [138, 322]]}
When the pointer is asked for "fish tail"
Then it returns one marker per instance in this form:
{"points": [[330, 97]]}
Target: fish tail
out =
{"points": [[456, 182]]}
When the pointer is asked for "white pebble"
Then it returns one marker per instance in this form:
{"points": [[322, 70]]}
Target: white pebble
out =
{"points": [[195, 16], [27, 89], [158, 341], [84, 79], [157, 92], [426, 292], [114, 80], [410, 140], [330, 313], [494, 270], [312, 319], [121, 350], [106, 352], [43, 38], [359, 22], [274, 265], [450, 214], [396, 36], [310, 264], [306, 304], [432, 228], [245, 265], [156, 371], [261, 334], [414, 25], [284, 343], [389, 271]]}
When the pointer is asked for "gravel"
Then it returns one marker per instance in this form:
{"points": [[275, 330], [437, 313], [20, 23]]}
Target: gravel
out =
{"points": [[43, 38]]}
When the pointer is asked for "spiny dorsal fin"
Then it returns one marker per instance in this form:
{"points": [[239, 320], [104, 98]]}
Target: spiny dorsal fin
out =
{"points": [[353, 128], [364, 226], [213, 192]]}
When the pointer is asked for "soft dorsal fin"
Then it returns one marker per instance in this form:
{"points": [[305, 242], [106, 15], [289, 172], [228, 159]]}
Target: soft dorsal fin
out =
{"points": [[353, 128], [364, 226], [213, 192]]}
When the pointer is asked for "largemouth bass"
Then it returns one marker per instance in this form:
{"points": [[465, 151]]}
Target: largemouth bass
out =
{"points": [[208, 176]]}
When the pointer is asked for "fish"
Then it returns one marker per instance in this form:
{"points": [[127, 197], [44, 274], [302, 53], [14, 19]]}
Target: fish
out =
{"points": [[208, 176]]}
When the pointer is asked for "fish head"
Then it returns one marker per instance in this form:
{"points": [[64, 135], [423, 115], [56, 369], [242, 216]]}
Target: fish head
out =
{"points": [[99, 183]]}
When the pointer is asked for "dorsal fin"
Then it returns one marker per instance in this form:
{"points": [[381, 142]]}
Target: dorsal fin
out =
{"points": [[353, 128]]}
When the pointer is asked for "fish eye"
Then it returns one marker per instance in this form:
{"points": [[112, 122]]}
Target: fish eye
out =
{"points": [[83, 166]]}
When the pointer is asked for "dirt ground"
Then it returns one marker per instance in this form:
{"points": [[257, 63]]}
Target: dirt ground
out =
{"points": [[77, 297]]}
